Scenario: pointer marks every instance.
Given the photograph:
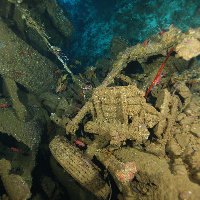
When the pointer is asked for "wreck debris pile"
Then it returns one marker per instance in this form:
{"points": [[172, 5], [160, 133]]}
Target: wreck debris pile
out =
{"points": [[122, 113], [116, 107]]}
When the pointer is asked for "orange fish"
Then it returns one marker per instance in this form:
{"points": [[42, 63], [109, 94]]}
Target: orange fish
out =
{"points": [[64, 77], [79, 143], [58, 88], [93, 74], [58, 71], [81, 75], [59, 81], [63, 87], [4, 105], [15, 149], [146, 43]]}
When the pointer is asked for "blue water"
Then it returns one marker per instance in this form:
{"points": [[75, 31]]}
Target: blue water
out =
{"points": [[97, 22]]}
